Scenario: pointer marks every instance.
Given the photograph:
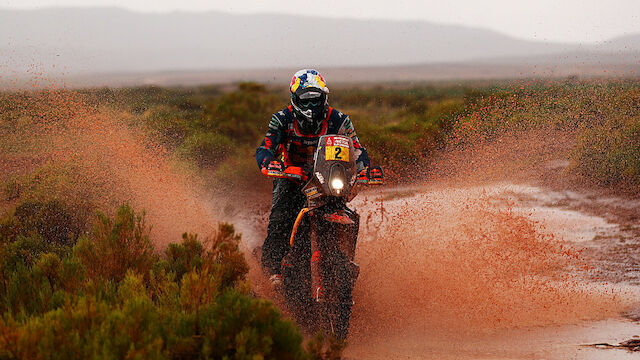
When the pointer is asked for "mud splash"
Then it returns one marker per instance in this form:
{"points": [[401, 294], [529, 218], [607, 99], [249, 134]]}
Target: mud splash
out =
{"points": [[454, 259], [110, 161], [452, 264]]}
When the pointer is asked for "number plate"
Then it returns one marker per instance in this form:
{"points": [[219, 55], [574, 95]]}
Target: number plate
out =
{"points": [[336, 149]]}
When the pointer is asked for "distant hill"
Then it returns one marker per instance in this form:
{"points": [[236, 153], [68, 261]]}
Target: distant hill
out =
{"points": [[111, 40], [623, 43]]}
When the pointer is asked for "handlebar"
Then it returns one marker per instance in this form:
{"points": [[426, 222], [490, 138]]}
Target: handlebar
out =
{"points": [[369, 176]]}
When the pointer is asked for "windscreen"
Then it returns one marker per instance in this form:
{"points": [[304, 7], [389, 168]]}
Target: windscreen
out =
{"points": [[335, 162]]}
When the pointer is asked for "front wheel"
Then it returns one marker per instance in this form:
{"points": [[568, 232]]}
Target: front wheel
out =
{"points": [[336, 320], [337, 283]]}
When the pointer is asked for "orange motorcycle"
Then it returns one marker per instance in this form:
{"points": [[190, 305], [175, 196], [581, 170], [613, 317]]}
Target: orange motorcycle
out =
{"points": [[319, 271]]}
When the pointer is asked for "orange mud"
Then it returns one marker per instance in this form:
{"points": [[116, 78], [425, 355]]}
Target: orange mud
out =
{"points": [[449, 261], [447, 266], [111, 163]]}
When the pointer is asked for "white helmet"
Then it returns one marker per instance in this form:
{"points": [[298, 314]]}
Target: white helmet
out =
{"points": [[309, 100]]}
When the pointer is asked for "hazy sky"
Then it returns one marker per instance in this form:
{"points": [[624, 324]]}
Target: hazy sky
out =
{"points": [[583, 21]]}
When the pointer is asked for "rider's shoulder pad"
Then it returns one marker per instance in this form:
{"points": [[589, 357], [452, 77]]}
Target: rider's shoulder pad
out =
{"points": [[281, 119], [337, 119]]}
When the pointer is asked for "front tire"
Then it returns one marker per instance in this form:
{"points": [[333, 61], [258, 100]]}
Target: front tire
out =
{"points": [[338, 281]]}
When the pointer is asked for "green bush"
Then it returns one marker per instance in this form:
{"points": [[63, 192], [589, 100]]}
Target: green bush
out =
{"points": [[244, 328], [185, 257], [609, 153], [116, 246], [30, 275], [114, 297]]}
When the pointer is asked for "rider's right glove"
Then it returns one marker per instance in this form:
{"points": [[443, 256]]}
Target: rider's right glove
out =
{"points": [[273, 168]]}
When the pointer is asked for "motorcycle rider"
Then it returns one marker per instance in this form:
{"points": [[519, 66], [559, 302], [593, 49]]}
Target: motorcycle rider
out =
{"points": [[291, 141]]}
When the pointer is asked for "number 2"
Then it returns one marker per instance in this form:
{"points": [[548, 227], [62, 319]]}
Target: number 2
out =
{"points": [[338, 151]]}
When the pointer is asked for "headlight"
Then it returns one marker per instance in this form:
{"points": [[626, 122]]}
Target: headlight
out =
{"points": [[337, 184]]}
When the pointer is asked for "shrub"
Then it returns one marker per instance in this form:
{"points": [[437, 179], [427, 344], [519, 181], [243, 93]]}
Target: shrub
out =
{"points": [[29, 276], [240, 115], [225, 256], [240, 327], [52, 220], [112, 297], [91, 329], [11, 189], [64, 182], [609, 153], [9, 228], [116, 246], [206, 148], [185, 257]]}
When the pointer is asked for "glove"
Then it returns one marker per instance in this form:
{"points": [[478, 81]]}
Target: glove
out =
{"points": [[274, 168], [376, 175]]}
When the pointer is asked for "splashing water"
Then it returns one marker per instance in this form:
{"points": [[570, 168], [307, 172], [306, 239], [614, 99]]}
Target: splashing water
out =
{"points": [[451, 266]]}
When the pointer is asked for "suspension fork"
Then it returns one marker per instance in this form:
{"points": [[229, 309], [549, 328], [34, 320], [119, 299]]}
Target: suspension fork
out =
{"points": [[317, 292], [296, 224]]}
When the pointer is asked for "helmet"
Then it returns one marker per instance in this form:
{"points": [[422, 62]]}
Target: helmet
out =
{"points": [[309, 100]]}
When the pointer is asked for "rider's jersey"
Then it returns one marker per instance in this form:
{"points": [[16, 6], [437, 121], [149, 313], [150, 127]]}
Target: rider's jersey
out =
{"points": [[286, 142]]}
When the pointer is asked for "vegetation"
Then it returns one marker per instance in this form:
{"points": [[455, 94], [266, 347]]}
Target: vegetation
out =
{"points": [[111, 295], [602, 116], [219, 131], [401, 126]]}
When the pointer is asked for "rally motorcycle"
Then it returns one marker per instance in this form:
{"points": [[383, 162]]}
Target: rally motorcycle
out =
{"points": [[319, 272]]}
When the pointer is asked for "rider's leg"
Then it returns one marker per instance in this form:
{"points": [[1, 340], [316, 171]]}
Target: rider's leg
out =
{"points": [[287, 202]]}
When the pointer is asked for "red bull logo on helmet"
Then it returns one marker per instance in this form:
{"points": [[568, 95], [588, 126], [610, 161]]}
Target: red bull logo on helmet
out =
{"points": [[307, 78]]}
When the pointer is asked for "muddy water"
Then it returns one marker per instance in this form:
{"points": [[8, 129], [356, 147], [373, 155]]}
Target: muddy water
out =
{"points": [[552, 342], [500, 271]]}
